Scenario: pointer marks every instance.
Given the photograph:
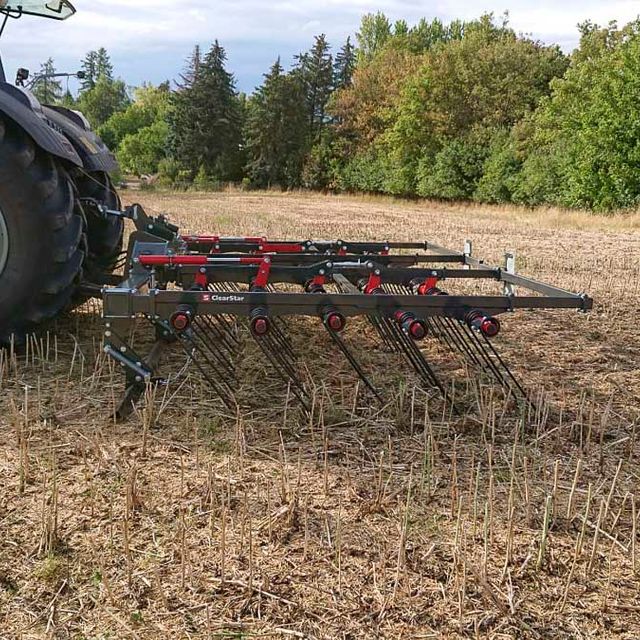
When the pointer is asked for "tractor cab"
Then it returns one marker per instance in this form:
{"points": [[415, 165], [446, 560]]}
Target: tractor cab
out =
{"points": [[56, 9]]}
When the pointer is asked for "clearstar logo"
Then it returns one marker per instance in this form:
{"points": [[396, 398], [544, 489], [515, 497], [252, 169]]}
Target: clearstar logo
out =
{"points": [[207, 297]]}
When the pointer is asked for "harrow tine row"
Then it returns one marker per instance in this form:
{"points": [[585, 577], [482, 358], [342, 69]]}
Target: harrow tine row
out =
{"points": [[413, 354], [197, 288], [340, 343], [207, 340], [208, 369], [284, 365]]}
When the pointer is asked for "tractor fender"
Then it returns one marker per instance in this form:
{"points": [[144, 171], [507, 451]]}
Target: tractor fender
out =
{"points": [[25, 111], [95, 155]]}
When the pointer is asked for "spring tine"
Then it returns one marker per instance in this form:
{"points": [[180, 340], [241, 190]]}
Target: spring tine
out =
{"points": [[225, 363], [508, 371], [222, 367], [220, 387], [221, 335], [485, 362], [460, 340], [415, 357], [433, 329], [375, 322], [283, 369], [339, 342], [228, 327], [281, 337]]}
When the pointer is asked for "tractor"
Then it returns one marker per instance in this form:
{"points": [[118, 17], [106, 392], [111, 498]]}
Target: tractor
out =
{"points": [[56, 242]]}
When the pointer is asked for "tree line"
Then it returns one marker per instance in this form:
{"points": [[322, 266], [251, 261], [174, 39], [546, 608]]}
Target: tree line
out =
{"points": [[466, 110]]}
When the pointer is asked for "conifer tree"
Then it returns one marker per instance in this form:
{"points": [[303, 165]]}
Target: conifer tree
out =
{"points": [[46, 89], [89, 69], [207, 119], [344, 66], [104, 68], [315, 71], [276, 130]]}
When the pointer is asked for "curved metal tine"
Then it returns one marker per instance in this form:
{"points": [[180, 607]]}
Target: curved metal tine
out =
{"points": [[288, 363], [508, 371], [220, 387], [225, 363], [280, 357], [416, 358], [223, 368], [229, 327], [339, 342], [489, 365], [218, 335], [378, 324], [296, 386], [282, 338], [435, 325], [227, 340], [462, 345]]}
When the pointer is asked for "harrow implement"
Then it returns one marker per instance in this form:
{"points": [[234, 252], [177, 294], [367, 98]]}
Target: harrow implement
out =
{"points": [[206, 293]]}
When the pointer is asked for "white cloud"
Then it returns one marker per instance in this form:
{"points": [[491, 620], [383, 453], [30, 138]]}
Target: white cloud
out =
{"points": [[151, 38]]}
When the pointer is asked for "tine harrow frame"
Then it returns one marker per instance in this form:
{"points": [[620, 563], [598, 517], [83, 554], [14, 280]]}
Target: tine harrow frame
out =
{"points": [[196, 291]]}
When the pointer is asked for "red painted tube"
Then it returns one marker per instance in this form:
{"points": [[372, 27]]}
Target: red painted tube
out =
{"points": [[164, 261], [268, 247], [186, 261]]}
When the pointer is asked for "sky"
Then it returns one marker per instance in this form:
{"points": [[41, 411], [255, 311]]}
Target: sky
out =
{"points": [[149, 40]]}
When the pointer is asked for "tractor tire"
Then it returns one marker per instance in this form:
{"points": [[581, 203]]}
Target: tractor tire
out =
{"points": [[104, 235], [42, 235]]}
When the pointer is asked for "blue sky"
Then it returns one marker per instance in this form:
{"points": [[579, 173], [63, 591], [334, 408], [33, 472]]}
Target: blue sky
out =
{"points": [[150, 39]]}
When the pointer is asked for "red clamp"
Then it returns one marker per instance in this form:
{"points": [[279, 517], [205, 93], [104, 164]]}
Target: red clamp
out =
{"points": [[201, 279], [429, 287], [374, 284], [262, 279]]}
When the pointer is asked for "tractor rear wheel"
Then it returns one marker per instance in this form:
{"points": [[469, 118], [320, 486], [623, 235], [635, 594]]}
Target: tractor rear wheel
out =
{"points": [[42, 235], [104, 232]]}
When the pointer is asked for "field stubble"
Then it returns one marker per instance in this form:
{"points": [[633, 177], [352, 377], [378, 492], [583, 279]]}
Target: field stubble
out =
{"points": [[356, 522]]}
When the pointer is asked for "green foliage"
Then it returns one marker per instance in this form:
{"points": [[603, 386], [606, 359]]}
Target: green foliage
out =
{"points": [[142, 152], [204, 181], [500, 170], [316, 76], [490, 78], [344, 65], [96, 65], [276, 133], [459, 110], [375, 32], [46, 89], [104, 99], [150, 104], [584, 147], [453, 173]]}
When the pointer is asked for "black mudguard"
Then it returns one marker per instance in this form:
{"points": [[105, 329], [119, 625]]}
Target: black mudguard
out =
{"points": [[25, 111], [62, 132], [95, 155]]}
